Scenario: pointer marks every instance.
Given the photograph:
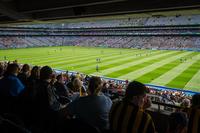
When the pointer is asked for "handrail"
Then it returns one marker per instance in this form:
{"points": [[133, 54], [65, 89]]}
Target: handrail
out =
{"points": [[169, 105]]}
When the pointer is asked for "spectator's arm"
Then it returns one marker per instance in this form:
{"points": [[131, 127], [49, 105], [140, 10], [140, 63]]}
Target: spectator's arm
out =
{"points": [[53, 102], [150, 126]]}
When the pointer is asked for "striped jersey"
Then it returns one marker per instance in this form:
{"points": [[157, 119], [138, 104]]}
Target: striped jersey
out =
{"points": [[194, 120], [128, 118]]}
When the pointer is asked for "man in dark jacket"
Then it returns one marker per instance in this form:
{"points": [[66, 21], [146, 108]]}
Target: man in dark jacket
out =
{"points": [[45, 101], [61, 88]]}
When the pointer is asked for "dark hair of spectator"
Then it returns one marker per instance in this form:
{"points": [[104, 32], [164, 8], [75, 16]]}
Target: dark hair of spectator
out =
{"points": [[73, 78], [35, 72], [94, 84], [135, 88], [25, 68], [46, 73], [12, 68], [59, 77]]}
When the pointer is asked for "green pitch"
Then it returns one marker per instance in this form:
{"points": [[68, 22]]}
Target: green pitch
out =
{"points": [[179, 69]]}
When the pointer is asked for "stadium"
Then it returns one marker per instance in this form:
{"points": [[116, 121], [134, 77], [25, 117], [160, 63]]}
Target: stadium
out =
{"points": [[63, 65]]}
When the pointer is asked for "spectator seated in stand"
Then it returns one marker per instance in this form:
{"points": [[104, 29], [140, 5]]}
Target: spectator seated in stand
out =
{"points": [[24, 74], [10, 85], [79, 87], [129, 115], [93, 108], [29, 95], [11, 89], [70, 84], [61, 89], [46, 107], [34, 77]]}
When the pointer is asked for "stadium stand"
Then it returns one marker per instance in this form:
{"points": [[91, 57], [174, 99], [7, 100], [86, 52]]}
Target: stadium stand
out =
{"points": [[142, 42], [172, 32], [128, 22]]}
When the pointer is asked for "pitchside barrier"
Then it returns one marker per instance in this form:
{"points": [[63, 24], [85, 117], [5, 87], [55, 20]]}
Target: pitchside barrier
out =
{"points": [[119, 81]]}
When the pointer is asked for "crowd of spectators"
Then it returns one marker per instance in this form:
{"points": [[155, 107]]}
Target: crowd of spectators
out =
{"points": [[111, 87], [45, 100], [150, 33], [185, 30], [141, 42], [174, 97], [48, 101]]}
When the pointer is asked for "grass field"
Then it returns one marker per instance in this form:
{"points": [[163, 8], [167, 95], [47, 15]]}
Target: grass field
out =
{"points": [[179, 69]]}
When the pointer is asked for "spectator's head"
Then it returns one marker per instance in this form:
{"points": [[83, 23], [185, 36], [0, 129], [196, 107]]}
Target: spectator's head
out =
{"points": [[136, 93], [46, 73], [196, 100], [105, 85], [95, 85], [25, 68], [12, 69], [60, 78], [77, 84], [178, 123], [53, 78], [72, 78], [35, 72], [185, 103]]}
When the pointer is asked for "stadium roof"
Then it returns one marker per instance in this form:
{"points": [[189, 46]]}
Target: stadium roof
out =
{"points": [[43, 10]]}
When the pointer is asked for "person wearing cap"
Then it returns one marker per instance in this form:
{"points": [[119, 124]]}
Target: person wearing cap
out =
{"points": [[128, 115]]}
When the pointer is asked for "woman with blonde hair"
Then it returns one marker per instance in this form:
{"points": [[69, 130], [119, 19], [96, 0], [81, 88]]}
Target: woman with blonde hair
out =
{"points": [[78, 87]]}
